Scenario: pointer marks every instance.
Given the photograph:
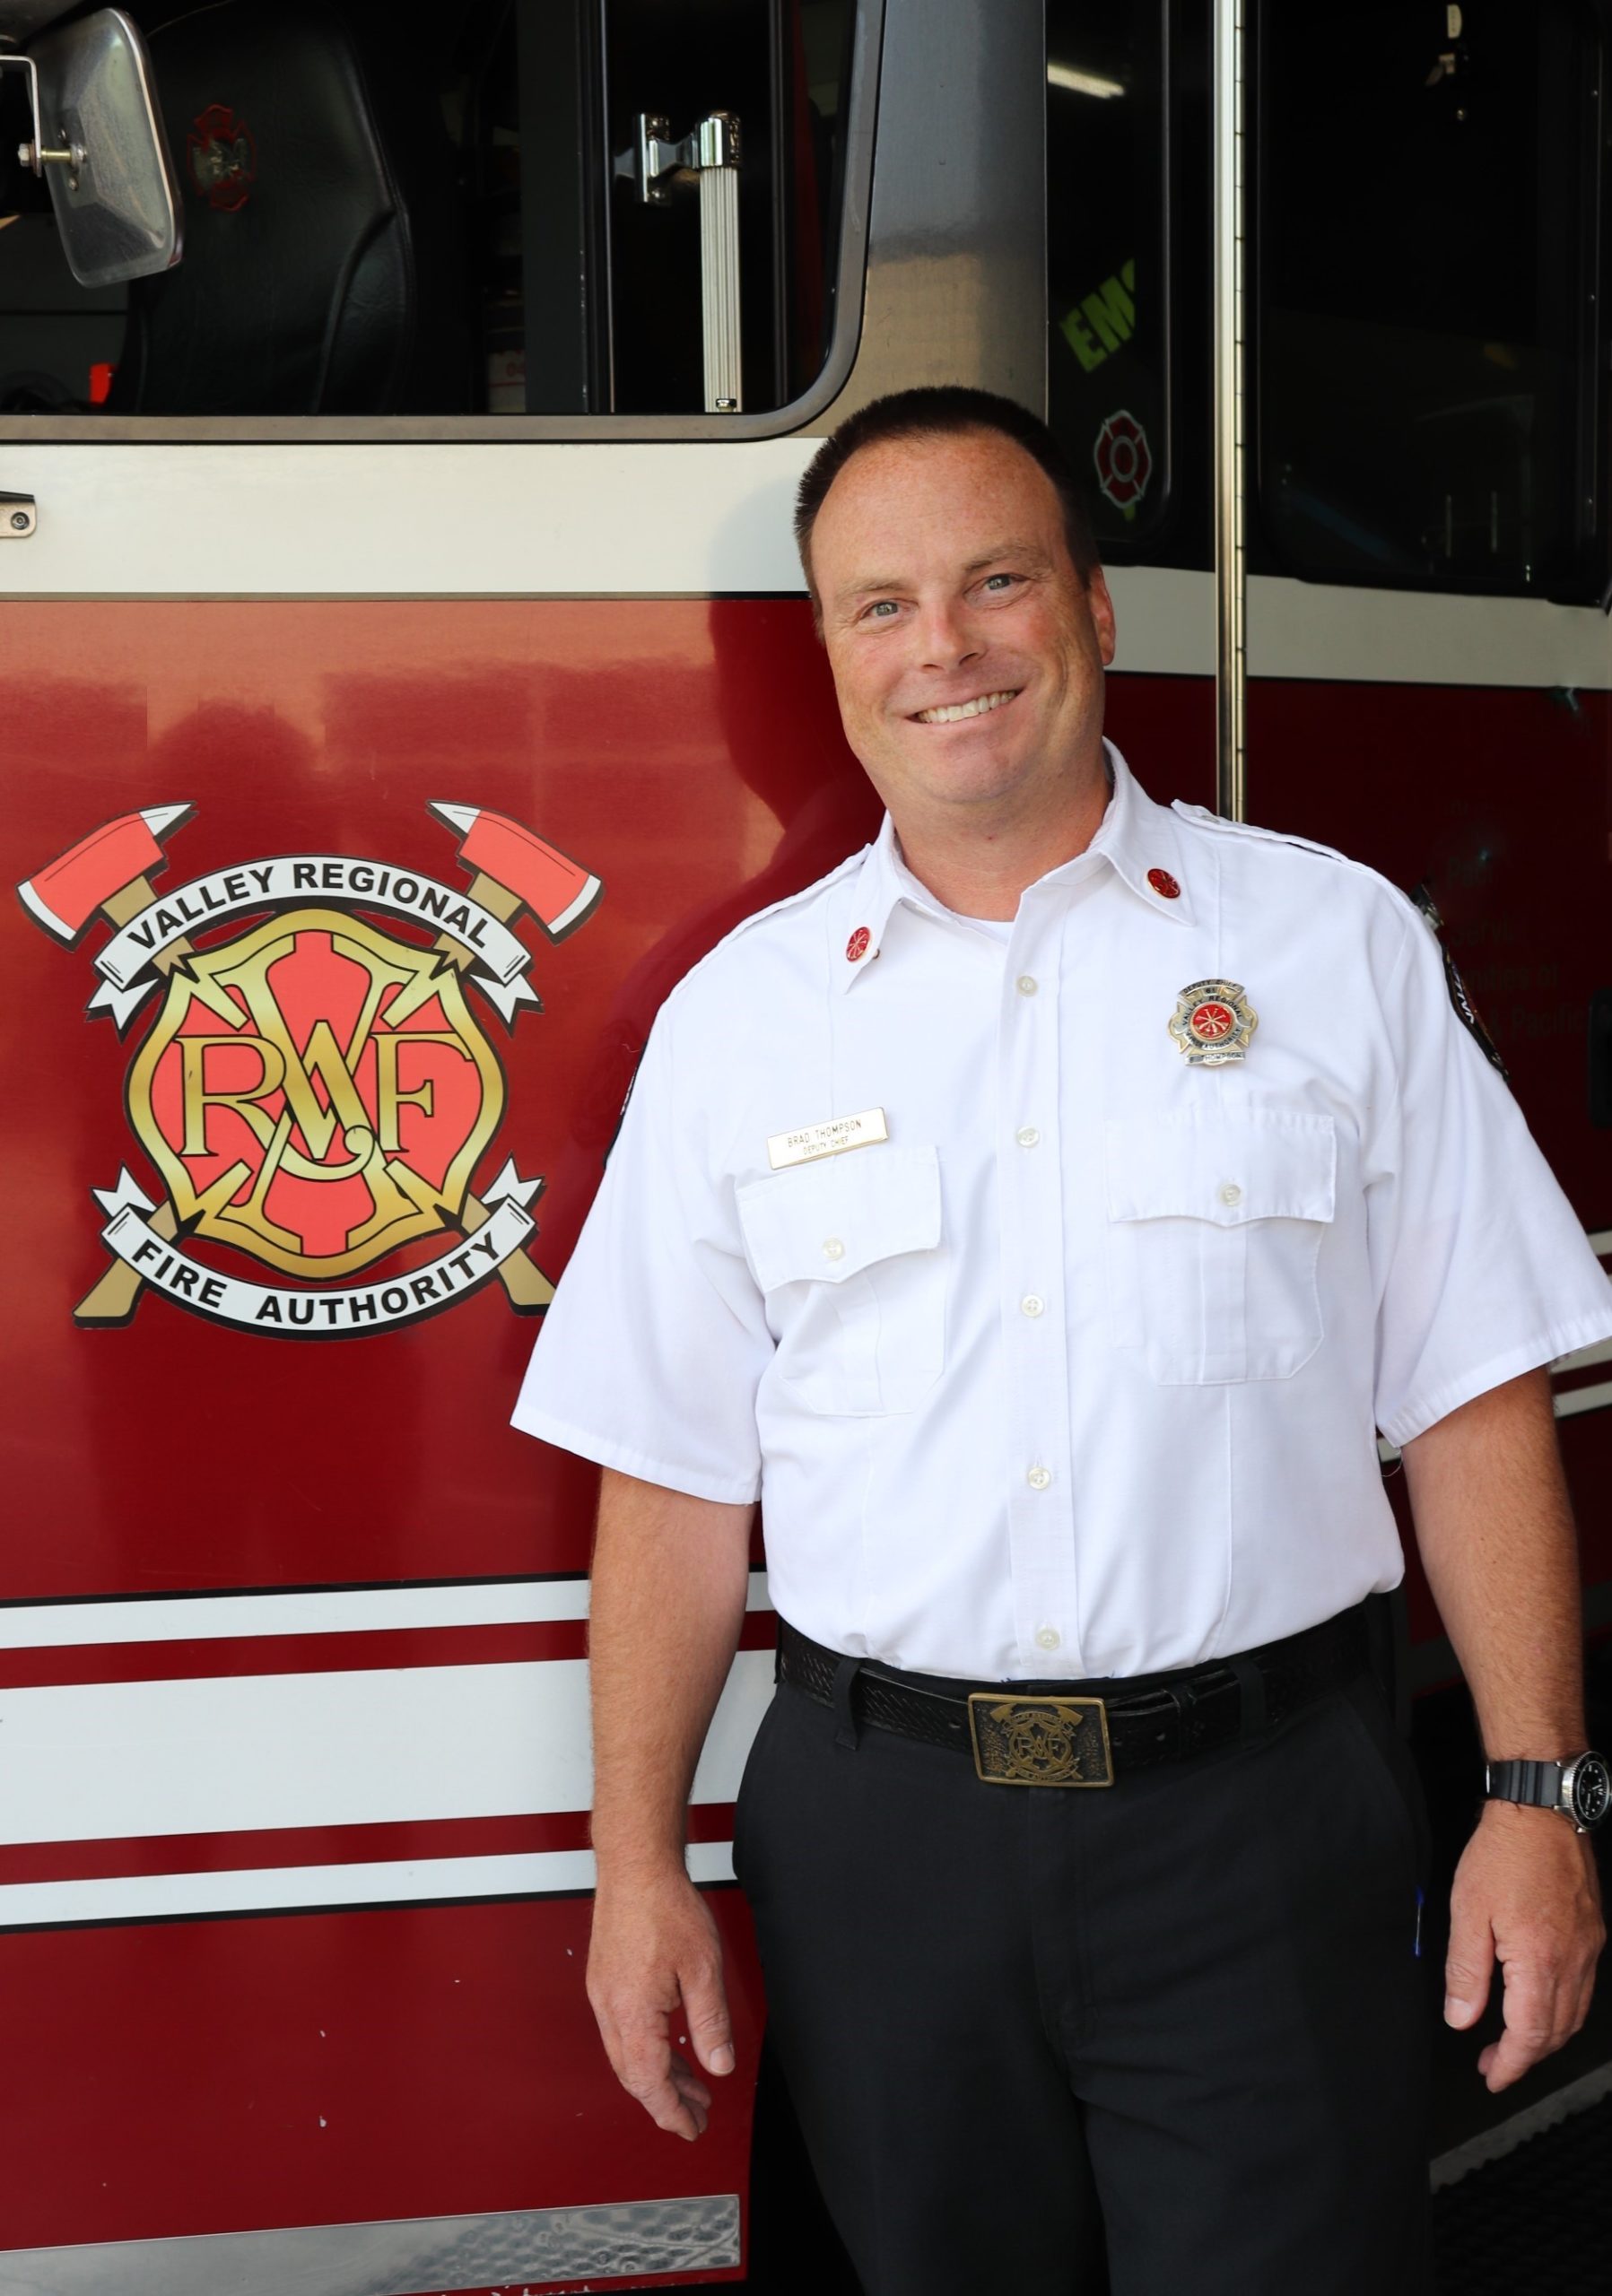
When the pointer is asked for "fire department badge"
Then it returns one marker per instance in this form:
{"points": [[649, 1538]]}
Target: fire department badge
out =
{"points": [[315, 1091], [1213, 1022]]}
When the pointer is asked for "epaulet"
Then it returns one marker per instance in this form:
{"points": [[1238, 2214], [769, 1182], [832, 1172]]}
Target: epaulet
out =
{"points": [[1206, 820], [774, 909]]}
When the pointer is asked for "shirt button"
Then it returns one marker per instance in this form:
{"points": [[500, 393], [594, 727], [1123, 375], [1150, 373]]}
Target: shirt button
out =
{"points": [[1231, 1192], [834, 1248], [1026, 984], [1038, 1478], [1048, 1638], [1027, 1135], [1032, 1304]]}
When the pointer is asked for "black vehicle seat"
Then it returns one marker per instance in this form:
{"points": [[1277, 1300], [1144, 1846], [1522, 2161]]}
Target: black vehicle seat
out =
{"points": [[325, 267]]}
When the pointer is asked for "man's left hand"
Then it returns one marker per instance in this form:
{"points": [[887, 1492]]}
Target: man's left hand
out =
{"points": [[1525, 1895]]}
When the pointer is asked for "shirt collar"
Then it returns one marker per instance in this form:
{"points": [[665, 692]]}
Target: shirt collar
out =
{"points": [[1140, 841]]}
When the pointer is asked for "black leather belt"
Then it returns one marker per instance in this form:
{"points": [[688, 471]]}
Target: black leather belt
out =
{"points": [[1072, 1733]]}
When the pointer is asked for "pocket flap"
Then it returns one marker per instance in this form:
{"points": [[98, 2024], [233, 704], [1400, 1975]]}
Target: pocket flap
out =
{"points": [[821, 1222], [1228, 1167]]}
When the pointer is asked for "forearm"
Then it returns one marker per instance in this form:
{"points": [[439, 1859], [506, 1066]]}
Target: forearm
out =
{"points": [[1496, 1534], [669, 1580]]}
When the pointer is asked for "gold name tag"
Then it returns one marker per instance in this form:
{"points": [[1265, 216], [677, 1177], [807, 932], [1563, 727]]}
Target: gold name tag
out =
{"points": [[830, 1139]]}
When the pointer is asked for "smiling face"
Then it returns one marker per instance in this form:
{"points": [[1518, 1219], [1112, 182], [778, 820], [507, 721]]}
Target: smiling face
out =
{"points": [[968, 657]]}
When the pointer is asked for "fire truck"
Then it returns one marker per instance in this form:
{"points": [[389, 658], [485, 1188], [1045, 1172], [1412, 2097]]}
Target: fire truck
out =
{"points": [[407, 677]]}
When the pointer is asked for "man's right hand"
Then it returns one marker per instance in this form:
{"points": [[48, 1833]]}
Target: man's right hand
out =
{"points": [[655, 1984]]}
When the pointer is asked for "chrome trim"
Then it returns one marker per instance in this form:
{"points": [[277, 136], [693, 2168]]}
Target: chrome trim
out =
{"points": [[474, 429], [385, 2259], [1230, 569], [719, 279], [1544, 2112]]}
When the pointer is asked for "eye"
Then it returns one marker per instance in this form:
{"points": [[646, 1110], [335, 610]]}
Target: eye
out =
{"points": [[880, 610], [992, 579]]}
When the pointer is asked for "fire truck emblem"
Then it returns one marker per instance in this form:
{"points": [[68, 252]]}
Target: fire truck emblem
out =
{"points": [[1124, 460], [223, 158], [314, 1091]]}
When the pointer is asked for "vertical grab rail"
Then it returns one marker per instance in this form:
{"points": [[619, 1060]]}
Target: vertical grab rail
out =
{"points": [[1230, 573], [710, 151], [719, 262]]}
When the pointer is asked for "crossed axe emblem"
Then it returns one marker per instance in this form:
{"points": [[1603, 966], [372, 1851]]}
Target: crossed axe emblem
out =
{"points": [[107, 876]]}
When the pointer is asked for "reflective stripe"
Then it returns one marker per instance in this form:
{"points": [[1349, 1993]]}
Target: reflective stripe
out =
{"points": [[1577, 1399], [230, 1753], [635, 2237], [343, 1610], [281, 1889]]}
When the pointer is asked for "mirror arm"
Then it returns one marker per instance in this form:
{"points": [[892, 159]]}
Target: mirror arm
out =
{"points": [[37, 155]]}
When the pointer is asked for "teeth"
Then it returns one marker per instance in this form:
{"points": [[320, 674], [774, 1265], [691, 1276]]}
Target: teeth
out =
{"points": [[956, 710]]}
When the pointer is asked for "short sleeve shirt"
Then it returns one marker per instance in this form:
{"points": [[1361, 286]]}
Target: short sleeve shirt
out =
{"points": [[1078, 1370]]}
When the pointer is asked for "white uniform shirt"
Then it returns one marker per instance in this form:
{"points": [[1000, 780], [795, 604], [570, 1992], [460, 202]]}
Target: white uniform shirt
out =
{"points": [[1078, 1372]]}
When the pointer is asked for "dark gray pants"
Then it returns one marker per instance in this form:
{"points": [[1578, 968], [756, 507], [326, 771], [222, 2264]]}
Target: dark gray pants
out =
{"points": [[1180, 2019]]}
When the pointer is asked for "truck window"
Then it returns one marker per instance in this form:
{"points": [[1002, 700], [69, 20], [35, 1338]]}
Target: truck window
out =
{"points": [[393, 211], [1107, 301], [1426, 189]]}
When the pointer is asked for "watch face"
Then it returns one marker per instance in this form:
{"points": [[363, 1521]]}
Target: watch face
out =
{"points": [[1591, 1790]]}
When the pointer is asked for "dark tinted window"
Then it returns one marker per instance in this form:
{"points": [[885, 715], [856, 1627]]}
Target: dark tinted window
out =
{"points": [[390, 209], [1426, 187], [1108, 349]]}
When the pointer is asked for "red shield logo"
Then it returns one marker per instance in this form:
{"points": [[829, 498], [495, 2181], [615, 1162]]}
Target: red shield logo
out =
{"points": [[222, 157]]}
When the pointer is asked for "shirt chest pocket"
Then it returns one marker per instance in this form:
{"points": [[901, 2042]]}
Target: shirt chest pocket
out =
{"points": [[849, 1253], [1215, 1226]]}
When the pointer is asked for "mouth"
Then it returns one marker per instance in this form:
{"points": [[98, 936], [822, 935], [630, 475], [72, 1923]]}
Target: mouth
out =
{"points": [[951, 713]]}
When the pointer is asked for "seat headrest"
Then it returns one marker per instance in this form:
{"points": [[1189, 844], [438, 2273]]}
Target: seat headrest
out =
{"points": [[323, 268]]}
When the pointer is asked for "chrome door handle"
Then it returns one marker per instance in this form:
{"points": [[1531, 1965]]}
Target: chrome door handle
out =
{"points": [[711, 153]]}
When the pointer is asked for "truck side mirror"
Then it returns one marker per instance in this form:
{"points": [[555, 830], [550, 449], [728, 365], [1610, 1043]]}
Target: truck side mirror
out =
{"points": [[98, 140]]}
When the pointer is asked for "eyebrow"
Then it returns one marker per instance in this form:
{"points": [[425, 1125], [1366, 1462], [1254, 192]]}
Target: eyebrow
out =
{"points": [[1031, 553]]}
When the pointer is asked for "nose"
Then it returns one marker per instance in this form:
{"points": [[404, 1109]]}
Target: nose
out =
{"points": [[946, 639]]}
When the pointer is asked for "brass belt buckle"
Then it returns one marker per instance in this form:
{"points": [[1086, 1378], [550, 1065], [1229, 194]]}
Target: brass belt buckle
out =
{"points": [[1040, 1741]]}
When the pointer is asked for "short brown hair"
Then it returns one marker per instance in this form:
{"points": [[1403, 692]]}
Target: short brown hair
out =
{"points": [[936, 411]]}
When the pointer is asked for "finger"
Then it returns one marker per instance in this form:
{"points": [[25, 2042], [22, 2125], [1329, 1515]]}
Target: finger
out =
{"points": [[1530, 2026], [688, 2084], [645, 2068], [1468, 1966], [695, 2101], [705, 2009], [678, 2115]]}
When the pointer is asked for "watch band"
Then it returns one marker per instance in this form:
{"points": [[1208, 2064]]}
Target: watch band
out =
{"points": [[1536, 1783], [1580, 1787]]}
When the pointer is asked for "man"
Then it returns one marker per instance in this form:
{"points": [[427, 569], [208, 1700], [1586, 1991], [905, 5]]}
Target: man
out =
{"points": [[1040, 1214]]}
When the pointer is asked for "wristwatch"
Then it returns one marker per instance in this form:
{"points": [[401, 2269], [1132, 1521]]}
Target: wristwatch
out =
{"points": [[1580, 1787]]}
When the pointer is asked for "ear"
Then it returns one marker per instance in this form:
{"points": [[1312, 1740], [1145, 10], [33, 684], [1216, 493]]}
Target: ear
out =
{"points": [[1100, 606]]}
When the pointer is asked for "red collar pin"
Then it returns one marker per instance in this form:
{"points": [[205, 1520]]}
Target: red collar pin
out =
{"points": [[1164, 884], [856, 948]]}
